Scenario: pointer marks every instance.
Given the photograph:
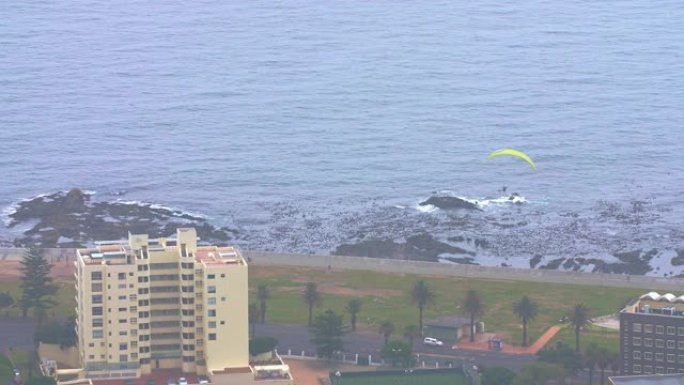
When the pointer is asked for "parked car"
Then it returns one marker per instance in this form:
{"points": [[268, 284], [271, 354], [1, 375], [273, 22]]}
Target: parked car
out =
{"points": [[432, 342], [182, 381], [203, 381]]}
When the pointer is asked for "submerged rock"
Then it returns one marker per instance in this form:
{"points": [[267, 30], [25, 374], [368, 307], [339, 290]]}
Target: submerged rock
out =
{"points": [[418, 247], [449, 203], [71, 220]]}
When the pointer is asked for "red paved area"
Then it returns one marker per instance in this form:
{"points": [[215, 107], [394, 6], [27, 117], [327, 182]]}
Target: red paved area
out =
{"points": [[482, 343], [160, 377]]}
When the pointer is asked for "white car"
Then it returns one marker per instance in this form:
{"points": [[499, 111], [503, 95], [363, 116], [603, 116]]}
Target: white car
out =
{"points": [[182, 381], [432, 342]]}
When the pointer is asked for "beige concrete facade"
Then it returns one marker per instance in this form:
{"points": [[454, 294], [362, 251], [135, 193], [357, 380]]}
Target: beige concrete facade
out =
{"points": [[149, 304]]}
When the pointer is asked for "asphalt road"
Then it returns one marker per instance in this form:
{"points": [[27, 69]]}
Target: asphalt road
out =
{"points": [[297, 338]]}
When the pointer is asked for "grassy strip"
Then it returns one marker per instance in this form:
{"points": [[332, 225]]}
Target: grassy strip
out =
{"points": [[66, 303], [386, 297]]}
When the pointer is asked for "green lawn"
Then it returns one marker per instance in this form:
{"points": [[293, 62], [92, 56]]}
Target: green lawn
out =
{"points": [[415, 378], [386, 297], [66, 303], [603, 337], [6, 373]]}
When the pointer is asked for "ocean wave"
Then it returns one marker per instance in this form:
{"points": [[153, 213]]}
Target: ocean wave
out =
{"points": [[426, 208], [157, 206]]}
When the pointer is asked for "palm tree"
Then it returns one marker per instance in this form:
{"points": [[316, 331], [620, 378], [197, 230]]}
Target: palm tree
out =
{"points": [[578, 319], [353, 307], [263, 294], [526, 310], [422, 295], [602, 361], [590, 358], [312, 298], [410, 332], [253, 318], [475, 308], [386, 329]]}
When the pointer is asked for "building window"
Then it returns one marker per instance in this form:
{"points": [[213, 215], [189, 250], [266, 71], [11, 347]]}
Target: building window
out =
{"points": [[91, 357], [211, 313], [122, 276], [212, 324], [636, 355], [211, 301], [648, 369], [671, 370], [660, 370], [97, 322], [97, 310], [670, 330], [660, 343], [122, 298], [98, 334], [659, 357], [123, 321], [670, 358], [96, 276], [223, 322], [680, 331], [122, 333], [648, 342], [648, 328], [660, 329], [670, 344], [223, 276], [636, 341], [636, 368], [97, 299], [211, 289], [123, 346], [188, 359], [636, 327], [96, 287], [212, 336], [648, 356], [122, 309], [680, 345], [680, 358], [211, 276], [223, 299]]}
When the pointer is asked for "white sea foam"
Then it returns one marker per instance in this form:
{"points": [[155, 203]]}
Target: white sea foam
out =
{"points": [[426, 208], [156, 206]]}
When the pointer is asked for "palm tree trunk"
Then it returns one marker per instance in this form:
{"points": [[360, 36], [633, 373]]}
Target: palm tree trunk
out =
{"points": [[524, 341], [577, 345], [263, 311], [472, 327], [591, 376], [310, 312], [420, 319], [353, 321]]}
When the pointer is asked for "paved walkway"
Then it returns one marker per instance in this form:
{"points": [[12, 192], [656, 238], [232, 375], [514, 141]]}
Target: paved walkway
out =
{"points": [[483, 344]]}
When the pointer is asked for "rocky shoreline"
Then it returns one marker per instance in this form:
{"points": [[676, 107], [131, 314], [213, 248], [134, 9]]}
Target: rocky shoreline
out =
{"points": [[71, 219]]}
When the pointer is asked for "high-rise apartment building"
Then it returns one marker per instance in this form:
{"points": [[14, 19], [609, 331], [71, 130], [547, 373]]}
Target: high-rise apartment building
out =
{"points": [[652, 335], [150, 304]]}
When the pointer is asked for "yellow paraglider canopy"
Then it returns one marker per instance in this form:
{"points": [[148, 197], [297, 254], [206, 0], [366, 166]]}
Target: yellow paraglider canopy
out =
{"points": [[512, 152]]}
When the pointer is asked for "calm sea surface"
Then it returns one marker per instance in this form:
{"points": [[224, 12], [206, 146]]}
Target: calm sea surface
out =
{"points": [[303, 123]]}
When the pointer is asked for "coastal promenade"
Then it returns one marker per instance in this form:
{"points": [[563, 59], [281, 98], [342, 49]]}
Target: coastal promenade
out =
{"points": [[260, 258]]}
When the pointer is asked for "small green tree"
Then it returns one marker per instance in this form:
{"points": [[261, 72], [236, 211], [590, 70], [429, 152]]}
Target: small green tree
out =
{"points": [[579, 318], [411, 332], [353, 308], [262, 345], [253, 318], [386, 329], [398, 353], [422, 295], [472, 303], [311, 298], [328, 330], [497, 375], [37, 288], [6, 300], [263, 294]]}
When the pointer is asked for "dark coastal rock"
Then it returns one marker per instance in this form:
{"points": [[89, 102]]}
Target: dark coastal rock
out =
{"points": [[417, 247], [534, 261], [72, 220], [679, 259], [553, 265], [449, 203]]}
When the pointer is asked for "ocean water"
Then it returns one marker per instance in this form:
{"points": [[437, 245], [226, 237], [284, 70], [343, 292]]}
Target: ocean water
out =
{"points": [[309, 124]]}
